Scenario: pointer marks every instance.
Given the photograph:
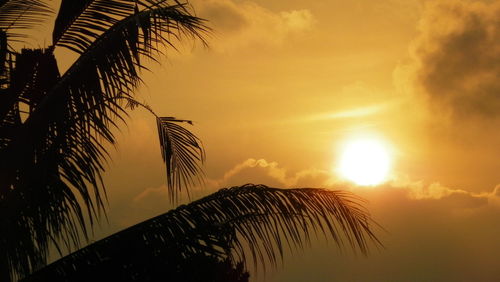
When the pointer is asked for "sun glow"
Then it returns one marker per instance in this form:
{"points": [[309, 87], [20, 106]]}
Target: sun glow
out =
{"points": [[365, 162]]}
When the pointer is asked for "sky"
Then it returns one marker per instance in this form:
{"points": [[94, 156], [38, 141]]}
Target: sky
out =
{"points": [[284, 85]]}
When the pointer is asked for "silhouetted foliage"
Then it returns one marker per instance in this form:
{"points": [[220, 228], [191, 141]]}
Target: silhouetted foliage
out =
{"points": [[53, 126], [223, 227], [195, 268], [53, 130]]}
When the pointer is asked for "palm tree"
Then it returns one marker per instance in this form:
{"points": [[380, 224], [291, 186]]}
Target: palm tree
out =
{"points": [[52, 130]]}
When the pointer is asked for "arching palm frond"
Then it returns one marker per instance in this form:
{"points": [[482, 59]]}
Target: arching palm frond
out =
{"points": [[21, 14], [182, 153], [264, 220], [51, 162], [181, 150]]}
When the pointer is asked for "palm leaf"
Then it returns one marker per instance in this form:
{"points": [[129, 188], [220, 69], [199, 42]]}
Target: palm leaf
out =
{"points": [[79, 23], [3, 58], [182, 153], [222, 225], [21, 14]]}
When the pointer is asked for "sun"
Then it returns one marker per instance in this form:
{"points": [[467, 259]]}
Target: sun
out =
{"points": [[365, 161]]}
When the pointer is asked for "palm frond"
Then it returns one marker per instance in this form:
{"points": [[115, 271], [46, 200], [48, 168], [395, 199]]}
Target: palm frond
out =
{"points": [[3, 58], [79, 23], [222, 226], [21, 14], [182, 153], [266, 218], [78, 26]]}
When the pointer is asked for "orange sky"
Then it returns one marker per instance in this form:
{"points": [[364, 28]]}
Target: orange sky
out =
{"points": [[284, 83]]}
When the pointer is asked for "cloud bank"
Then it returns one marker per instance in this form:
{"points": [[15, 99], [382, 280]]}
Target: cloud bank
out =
{"points": [[272, 174], [456, 58]]}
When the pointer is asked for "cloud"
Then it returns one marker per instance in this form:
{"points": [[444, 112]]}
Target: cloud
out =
{"points": [[358, 112], [240, 24], [454, 198], [356, 100], [456, 58], [270, 173], [152, 193]]}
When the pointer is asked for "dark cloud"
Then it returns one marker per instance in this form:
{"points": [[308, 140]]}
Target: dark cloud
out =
{"points": [[458, 58]]}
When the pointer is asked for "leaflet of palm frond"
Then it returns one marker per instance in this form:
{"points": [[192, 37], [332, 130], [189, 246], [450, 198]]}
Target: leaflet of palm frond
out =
{"points": [[9, 124], [226, 224], [19, 14], [83, 21], [182, 153], [4, 76], [78, 26], [3, 58]]}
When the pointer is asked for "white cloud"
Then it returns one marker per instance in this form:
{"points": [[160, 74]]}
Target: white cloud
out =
{"points": [[269, 173]]}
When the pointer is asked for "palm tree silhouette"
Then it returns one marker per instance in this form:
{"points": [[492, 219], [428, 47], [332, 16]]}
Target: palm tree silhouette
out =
{"points": [[52, 130]]}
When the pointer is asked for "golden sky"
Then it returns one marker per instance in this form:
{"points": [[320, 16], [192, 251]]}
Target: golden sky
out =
{"points": [[284, 84]]}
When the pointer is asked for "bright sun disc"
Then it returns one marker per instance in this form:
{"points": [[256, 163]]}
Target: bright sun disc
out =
{"points": [[365, 162]]}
